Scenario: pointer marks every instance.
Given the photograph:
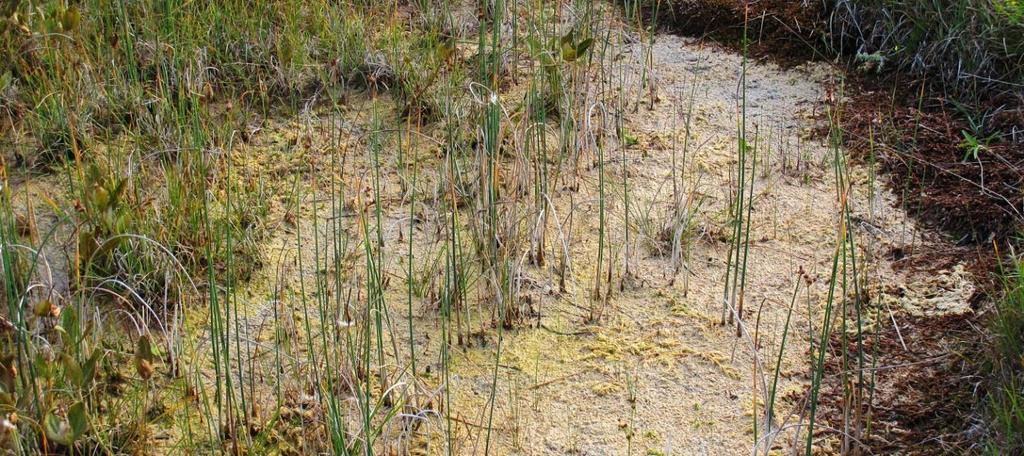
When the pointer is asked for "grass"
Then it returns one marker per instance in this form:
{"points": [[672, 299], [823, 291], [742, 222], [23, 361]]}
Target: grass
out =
{"points": [[1006, 399], [972, 47]]}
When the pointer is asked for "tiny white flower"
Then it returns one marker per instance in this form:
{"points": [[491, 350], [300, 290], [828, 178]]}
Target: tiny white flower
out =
{"points": [[494, 98]]}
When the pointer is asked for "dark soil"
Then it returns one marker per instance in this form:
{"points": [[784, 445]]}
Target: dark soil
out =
{"points": [[930, 395], [787, 31], [918, 142], [917, 387]]}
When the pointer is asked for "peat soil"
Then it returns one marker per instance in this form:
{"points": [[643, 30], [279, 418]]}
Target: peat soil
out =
{"points": [[932, 397]]}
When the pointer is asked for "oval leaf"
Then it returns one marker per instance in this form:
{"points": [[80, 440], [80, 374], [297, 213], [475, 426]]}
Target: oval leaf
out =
{"points": [[57, 429], [78, 418]]}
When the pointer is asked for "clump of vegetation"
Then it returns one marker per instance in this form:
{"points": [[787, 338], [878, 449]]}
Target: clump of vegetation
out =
{"points": [[1006, 397], [969, 45]]}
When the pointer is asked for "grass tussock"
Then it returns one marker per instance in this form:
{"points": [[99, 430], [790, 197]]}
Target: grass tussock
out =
{"points": [[1006, 397], [970, 46]]}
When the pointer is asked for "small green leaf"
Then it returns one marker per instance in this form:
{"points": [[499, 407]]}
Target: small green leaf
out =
{"points": [[583, 46], [71, 18], [72, 371], [99, 197], [568, 53], [540, 53], [630, 140], [56, 429], [535, 47], [78, 417], [67, 431], [42, 366], [89, 367], [68, 327], [568, 38], [567, 47]]}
